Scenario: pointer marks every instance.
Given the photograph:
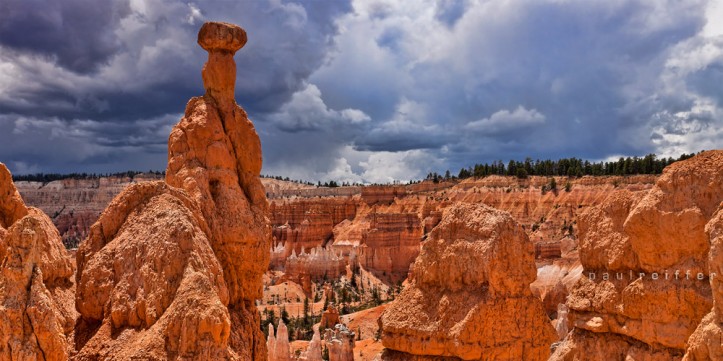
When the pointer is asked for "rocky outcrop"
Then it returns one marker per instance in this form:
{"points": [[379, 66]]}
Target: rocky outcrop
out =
{"points": [[12, 207], [554, 282], [340, 342], [36, 310], [706, 343], [147, 273], [645, 284], [469, 294], [329, 318], [172, 269]]}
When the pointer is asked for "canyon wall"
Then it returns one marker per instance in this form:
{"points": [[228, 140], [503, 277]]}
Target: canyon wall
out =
{"points": [[75, 204], [308, 223], [382, 229]]}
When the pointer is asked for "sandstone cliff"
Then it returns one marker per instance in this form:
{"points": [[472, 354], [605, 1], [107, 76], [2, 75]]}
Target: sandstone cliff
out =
{"points": [[308, 223], [36, 290], [469, 294], [645, 284]]}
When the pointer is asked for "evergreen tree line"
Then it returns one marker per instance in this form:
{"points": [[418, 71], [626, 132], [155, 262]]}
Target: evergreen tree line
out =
{"points": [[572, 167], [50, 177]]}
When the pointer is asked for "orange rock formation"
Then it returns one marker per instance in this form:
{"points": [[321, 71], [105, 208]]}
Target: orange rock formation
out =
{"points": [[329, 318], [706, 343], [308, 223], [172, 269], [36, 290], [469, 294], [649, 256]]}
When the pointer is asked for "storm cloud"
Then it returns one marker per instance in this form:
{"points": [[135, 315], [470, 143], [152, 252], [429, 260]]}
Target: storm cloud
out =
{"points": [[369, 91]]}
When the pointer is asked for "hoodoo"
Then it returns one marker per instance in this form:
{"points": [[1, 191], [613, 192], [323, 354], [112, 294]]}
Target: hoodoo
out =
{"points": [[172, 269], [214, 154], [469, 295]]}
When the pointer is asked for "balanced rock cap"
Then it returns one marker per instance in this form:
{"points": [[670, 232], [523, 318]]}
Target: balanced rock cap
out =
{"points": [[221, 36]]}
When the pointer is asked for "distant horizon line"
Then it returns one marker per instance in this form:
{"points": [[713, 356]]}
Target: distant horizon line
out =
{"points": [[498, 167]]}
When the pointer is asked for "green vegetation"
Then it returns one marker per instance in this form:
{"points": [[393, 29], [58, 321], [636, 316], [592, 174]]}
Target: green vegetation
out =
{"points": [[572, 167]]}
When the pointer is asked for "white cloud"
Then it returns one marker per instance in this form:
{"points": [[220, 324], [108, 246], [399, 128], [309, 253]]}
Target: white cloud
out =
{"points": [[505, 121], [307, 111], [714, 14], [387, 167]]}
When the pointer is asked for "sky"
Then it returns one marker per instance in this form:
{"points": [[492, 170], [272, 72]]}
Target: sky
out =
{"points": [[365, 90]]}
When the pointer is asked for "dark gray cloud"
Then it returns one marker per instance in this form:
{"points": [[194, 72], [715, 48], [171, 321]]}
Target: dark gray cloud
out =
{"points": [[368, 90], [78, 33], [110, 72]]}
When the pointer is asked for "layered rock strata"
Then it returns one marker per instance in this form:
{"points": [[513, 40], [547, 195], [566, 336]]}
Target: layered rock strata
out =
{"points": [[308, 223], [75, 204], [390, 245], [469, 295]]}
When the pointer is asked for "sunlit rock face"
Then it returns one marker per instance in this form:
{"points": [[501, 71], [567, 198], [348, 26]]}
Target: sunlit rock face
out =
{"points": [[647, 259], [36, 286], [172, 269], [469, 294]]}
